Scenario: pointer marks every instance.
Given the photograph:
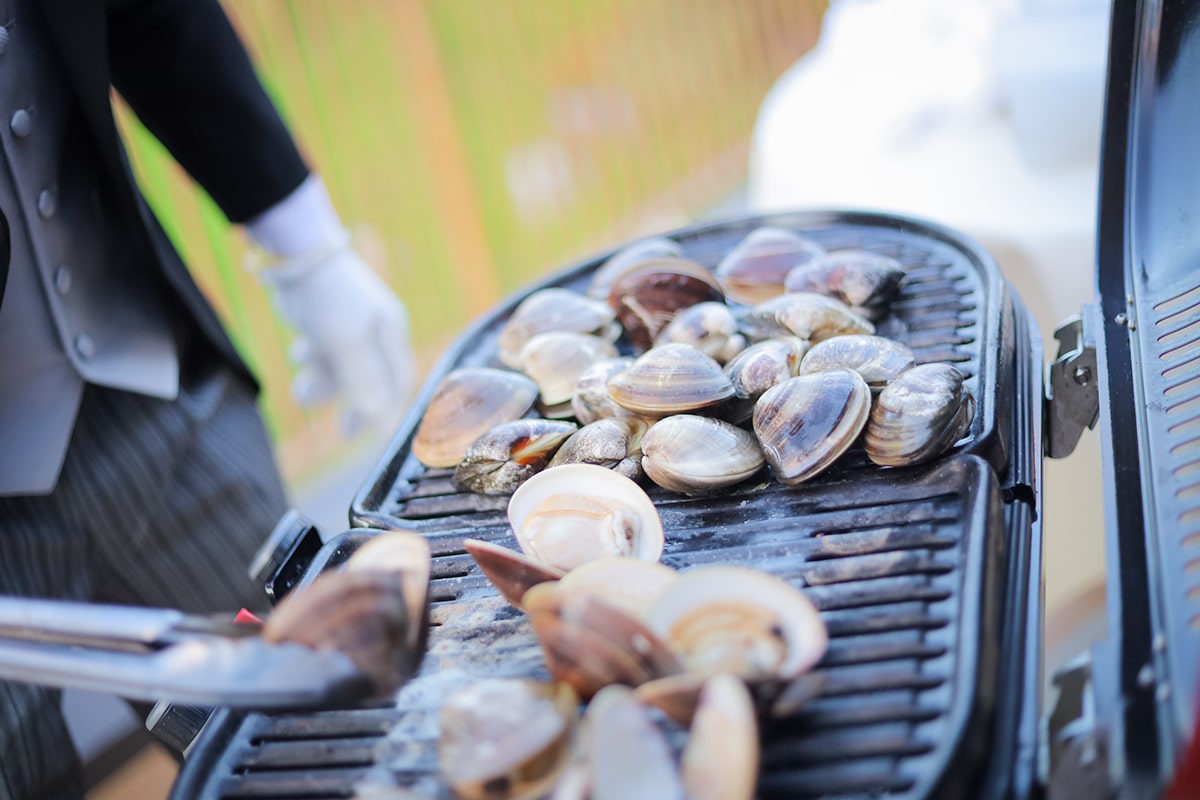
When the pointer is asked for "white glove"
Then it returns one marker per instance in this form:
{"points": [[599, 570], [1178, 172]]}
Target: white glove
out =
{"points": [[354, 343]]}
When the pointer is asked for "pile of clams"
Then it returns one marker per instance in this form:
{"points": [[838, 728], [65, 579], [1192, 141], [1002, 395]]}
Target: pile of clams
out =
{"points": [[711, 651], [698, 378]]}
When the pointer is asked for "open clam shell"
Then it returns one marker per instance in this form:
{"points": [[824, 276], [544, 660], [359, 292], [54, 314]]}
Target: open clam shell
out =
{"points": [[512, 573], [755, 269], [806, 423], [572, 514], [592, 643], [877, 359], [670, 379], [647, 296], [696, 455], [506, 737], [630, 584], [509, 454], [467, 403], [645, 250], [720, 759], [863, 280], [630, 756], [552, 309], [725, 618], [919, 416]]}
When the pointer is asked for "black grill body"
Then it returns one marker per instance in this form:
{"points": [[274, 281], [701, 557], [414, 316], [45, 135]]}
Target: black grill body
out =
{"points": [[927, 577]]}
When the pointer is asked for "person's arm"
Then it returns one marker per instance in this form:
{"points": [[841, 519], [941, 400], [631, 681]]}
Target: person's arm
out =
{"points": [[183, 70]]}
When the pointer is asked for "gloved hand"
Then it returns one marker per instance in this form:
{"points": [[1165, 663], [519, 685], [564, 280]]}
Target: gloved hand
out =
{"points": [[354, 344]]}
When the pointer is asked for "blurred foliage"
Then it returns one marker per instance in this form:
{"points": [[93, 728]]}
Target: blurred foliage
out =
{"points": [[473, 146]]}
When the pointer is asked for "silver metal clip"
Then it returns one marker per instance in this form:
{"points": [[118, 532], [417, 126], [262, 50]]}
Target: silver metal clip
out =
{"points": [[1072, 391]]}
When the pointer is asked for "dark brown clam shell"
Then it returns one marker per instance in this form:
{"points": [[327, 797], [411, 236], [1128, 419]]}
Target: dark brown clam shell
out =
{"points": [[647, 296]]}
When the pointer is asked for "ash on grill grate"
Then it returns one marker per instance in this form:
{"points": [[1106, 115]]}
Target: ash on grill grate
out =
{"points": [[900, 569]]}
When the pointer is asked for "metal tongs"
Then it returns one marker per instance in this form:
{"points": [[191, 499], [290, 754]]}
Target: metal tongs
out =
{"points": [[166, 655]]}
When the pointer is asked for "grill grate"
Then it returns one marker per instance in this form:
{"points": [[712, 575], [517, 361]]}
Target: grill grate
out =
{"points": [[901, 574], [904, 565]]}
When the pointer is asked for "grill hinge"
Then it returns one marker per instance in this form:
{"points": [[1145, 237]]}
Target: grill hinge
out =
{"points": [[1072, 390]]}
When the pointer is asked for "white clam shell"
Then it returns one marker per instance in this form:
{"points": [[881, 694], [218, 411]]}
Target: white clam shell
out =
{"points": [[569, 515]]}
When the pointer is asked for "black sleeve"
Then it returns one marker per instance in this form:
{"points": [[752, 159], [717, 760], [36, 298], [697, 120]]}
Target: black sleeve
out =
{"points": [[182, 68]]}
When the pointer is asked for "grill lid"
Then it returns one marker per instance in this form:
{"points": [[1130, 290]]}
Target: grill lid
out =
{"points": [[1148, 328]]}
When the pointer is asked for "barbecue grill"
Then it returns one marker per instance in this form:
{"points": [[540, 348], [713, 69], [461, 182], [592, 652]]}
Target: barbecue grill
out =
{"points": [[927, 577]]}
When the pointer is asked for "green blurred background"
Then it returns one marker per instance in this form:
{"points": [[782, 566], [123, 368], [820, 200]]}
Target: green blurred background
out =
{"points": [[473, 146]]}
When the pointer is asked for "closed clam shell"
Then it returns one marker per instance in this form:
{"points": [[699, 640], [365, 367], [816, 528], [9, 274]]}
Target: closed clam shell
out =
{"points": [[612, 443], [670, 379], [552, 309], [506, 737], [759, 367], [863, 280], [556, 359], [755, 269], [575, 513], [590, 400], [710, 327], [877, 359], [627, 257], [509, 454], [808, 315], [467, 403], [919, 416], [647, 296], [695, 455], [806, 423], [727, 618]]}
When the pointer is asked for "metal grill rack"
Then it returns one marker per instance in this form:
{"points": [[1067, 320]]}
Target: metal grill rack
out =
{"points": [[909, 568]]}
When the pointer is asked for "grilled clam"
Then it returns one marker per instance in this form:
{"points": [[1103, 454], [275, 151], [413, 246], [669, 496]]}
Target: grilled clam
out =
{"points": [[670, 379], [808, 315], [863, 280], [591, 643], [645, 250], [755, 269], [806, 423], [467, 403], [506, 456], [631, 584], [612, 443], [506, 738], [724, 618], [572, 514], [512, 573], [555, 360], [759, 367], [647, 296], [720, 759], [591, 400], [553, 309], [630, 757], [919, 416], [696, 455], [710, 327], [877, 359]]}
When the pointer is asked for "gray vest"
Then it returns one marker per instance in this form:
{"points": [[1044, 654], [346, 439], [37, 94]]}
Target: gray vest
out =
{"points": [[76, 308]]}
